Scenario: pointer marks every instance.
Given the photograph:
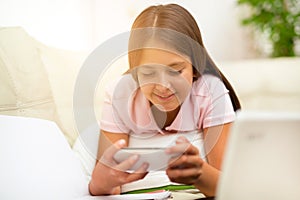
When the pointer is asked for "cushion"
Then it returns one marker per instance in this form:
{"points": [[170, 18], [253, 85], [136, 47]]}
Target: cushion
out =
{"points": [[37, 161], [37, 80], [62, 67], [266, 84], [24, 85]]}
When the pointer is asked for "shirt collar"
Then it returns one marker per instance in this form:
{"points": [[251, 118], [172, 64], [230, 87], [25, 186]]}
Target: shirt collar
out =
{"points": [[141, 115]]}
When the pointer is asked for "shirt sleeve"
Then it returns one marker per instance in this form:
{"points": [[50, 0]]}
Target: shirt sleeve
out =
{"points": [[219, 106], [111, 121]]}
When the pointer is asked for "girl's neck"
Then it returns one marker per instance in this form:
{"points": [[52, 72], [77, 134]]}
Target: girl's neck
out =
{"points": [[162, 118]]}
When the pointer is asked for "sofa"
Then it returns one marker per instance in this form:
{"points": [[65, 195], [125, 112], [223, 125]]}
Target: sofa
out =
{"points": [[37, 87]]}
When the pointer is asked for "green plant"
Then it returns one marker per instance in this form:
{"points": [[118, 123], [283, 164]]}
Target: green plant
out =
{"points": [[279, 20]]}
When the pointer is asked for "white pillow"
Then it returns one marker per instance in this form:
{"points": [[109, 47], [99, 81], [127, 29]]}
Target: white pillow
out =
{"points": [[24, 85], [37, 162], [62, 67]]}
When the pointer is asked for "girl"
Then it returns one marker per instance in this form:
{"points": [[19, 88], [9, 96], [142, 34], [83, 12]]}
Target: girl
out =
{"points": [[173, 86]]}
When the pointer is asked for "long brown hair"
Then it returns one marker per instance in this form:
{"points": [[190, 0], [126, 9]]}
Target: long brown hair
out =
{"points": [[173, 24]]}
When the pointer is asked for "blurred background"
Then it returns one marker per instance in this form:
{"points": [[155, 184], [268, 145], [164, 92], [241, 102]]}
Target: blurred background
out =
{"points": [[85, 24]]}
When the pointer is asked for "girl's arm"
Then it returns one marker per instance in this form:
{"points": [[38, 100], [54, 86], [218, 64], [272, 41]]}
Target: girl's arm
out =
{"points": [[108, 176], [191, 169], [215, 139]]}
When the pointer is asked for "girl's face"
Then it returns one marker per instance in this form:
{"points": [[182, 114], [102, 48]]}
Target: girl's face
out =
{"points": [[165, 78]]}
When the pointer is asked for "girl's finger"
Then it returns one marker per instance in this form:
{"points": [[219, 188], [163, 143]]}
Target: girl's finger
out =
{"points": [[107, 157], [143, 168], [186, 161], [140, 173], [110, 152], [184, 148], [128, 163], [186, 176], [182, 139]]}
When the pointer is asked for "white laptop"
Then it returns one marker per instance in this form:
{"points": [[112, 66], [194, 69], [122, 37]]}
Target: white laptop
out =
{"points": [[262, 159]]}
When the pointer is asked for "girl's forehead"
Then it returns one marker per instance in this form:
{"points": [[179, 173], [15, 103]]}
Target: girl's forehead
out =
{"points": [[161, 57], [158, 67]]}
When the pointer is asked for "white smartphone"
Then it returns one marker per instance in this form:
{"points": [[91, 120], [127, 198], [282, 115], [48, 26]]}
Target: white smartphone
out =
{"points": [[156, 157]]}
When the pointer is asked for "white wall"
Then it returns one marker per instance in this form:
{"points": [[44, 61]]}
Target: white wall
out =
{"points": [[84, 24], [218, 20], [61, 23]]}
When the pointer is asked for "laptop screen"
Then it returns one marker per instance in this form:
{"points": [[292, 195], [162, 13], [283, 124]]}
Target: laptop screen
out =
{"points": [[262, 159]]}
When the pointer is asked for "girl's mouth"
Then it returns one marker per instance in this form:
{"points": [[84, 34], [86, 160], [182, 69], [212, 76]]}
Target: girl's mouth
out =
{"points": [[165, 97]]}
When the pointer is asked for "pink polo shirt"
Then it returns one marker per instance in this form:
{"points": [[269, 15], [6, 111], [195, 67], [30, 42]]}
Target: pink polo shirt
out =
{"points": [[126, 110]]}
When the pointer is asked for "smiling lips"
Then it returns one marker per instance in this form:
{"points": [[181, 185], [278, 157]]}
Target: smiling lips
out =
{"points": [[164, 97]]}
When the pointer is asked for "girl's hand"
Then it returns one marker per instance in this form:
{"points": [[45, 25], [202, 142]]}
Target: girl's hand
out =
{"points": [[108, 175], [186, 169]]}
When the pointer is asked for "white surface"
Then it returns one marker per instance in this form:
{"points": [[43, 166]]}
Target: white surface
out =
{"points": [[37, 162], [157, 196], [262, 159], [66, 24], [157, 158]]}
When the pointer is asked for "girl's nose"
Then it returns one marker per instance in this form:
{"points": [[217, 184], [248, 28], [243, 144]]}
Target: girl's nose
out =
{"points": [[161, 88], [164, 79], [163, 84]]}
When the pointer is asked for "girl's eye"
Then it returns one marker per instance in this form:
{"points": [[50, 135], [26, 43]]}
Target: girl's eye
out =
{"points": [[148, 74], [145, 73], [174, 72]]}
